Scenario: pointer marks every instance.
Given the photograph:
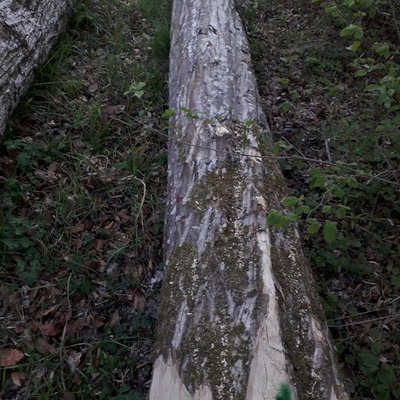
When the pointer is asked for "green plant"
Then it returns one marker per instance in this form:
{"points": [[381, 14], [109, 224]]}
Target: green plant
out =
{"points": [[284, 393]]}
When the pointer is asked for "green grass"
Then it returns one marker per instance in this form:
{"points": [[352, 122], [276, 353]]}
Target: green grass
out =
{"points": [[83, 181]]}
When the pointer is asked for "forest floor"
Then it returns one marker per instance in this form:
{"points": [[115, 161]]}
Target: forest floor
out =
{"points": [[83, 177]]}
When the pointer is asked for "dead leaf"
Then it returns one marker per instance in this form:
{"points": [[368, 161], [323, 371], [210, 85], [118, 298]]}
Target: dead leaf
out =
{"points": [[45, 348], [73, 359], [52, 167], [104, 295], [9, 357], [78, 324], [77, 244], [34, 291], [26, 339], [13, 302], [124, 216], [68, 396], [4, 292], [99, 322], [95, 265], [139, 303], [99, 244], [17, 378], [49, 329], [113, 319], [50, 311], [33, 325], [93, 87], [77, 228], [68, 314], [139, 270], [43, 175], [109, 110], [77, 378]]}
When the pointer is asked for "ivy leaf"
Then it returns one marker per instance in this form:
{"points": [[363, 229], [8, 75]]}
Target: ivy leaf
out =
{"points": [[302, 210], [298, 164], [313, 226], [274, 217], [330, 231], [361, 72], [326, 209], [352, 29], [168, 113], [354, 46], [341, 211], [337, 191], [291, 217], [290, 201], [318, 182], [314, 172]]}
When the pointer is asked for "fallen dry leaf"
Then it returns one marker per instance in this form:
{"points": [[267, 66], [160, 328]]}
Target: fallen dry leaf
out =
{"points": [[99, 321], [78, 324], [77, 244], [45, 348], [99, 244], [49, 329], [17, 378], [95, 265], [104, 295], [9, 357], [77, 228], [4, 292], [33, 325], [93, 87], [27, 339], [113, 319], [124, 215], [73, 359], [77, 378], [109, 110], [139, 303], [51, 310], [52, 167], [68, 396]]}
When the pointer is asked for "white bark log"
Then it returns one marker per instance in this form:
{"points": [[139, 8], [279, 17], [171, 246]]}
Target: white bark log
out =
{"points": [[239, 315], [28, 29]]}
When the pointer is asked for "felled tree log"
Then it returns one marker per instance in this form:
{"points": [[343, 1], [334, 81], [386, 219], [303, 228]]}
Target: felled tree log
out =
{"points": [[28, 30], [239, 317]]}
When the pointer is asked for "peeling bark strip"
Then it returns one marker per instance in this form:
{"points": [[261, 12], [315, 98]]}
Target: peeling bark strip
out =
{"points": [[239, 316], [28, 29]]}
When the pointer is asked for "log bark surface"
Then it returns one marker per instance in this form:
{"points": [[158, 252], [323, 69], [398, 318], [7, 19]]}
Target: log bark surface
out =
{"points": [[28, 30], [239, 316]]}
